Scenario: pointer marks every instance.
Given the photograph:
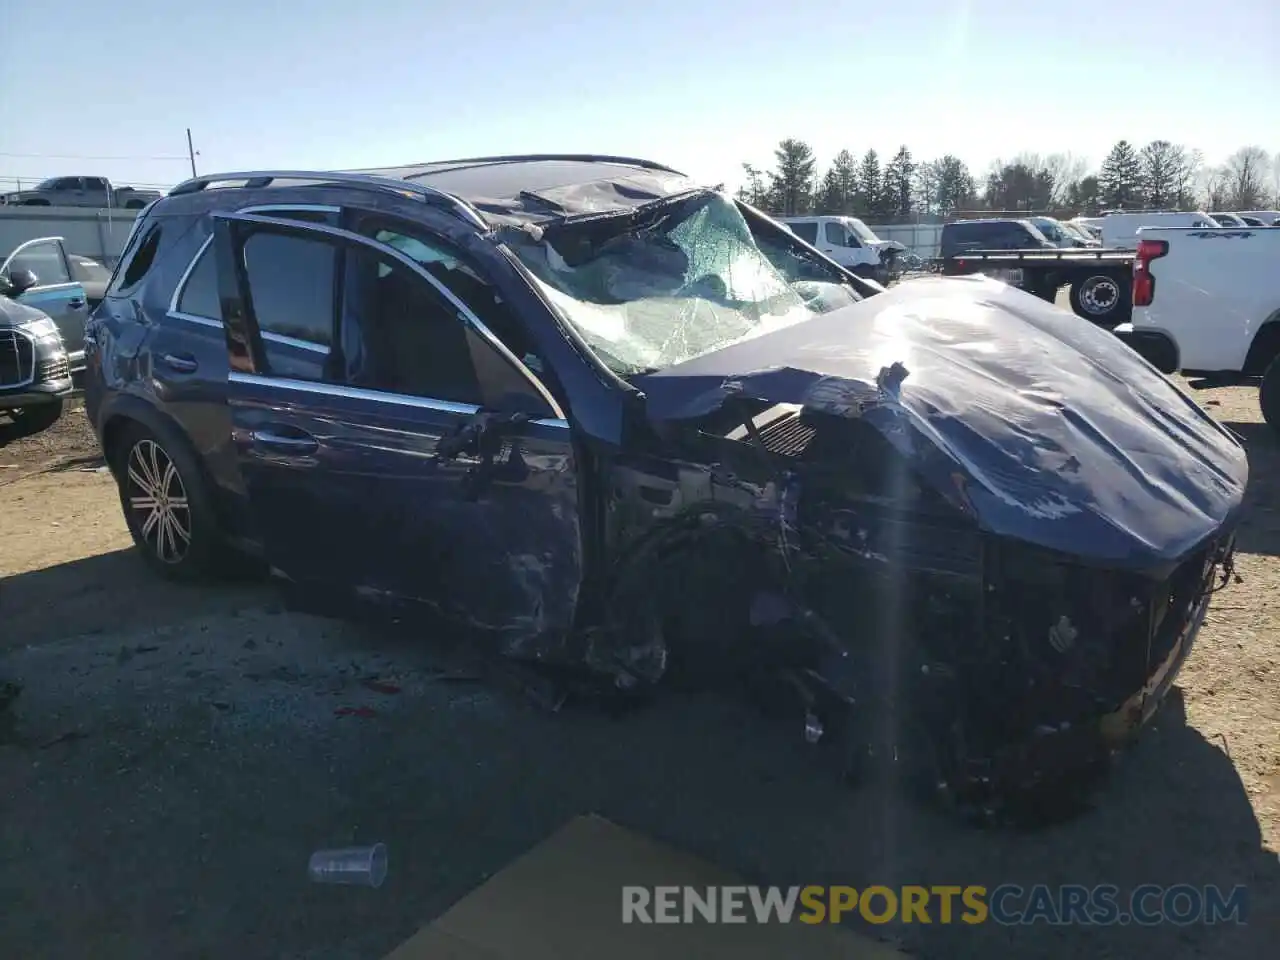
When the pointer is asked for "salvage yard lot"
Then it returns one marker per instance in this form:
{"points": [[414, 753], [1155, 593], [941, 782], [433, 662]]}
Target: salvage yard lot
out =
{"points": [[178, 752]]}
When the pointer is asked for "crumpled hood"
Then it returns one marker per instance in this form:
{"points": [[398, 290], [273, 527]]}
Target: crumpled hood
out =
{"points": [[1063, 436], [14, 314]]}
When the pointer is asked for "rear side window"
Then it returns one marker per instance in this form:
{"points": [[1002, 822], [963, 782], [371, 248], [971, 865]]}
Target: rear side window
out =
{"points": [[291, 286], [142, 258], [808, 232], [199, 297]]}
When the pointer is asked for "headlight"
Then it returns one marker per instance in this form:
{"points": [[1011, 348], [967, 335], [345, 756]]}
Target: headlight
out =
{"points": [[42, 329]]}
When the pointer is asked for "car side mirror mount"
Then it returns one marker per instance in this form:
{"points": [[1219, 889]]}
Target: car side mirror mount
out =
{"points": [[20, 281]]}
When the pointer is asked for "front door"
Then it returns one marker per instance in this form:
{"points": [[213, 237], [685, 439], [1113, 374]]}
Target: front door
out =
{"points": [[56, 292], [392, 448]]}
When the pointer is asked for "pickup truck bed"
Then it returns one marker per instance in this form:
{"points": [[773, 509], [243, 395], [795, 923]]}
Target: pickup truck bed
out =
{"points": [[1099, 278]]}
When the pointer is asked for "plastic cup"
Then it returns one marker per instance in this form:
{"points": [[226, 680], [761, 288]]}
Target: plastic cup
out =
{"points": [[352, 866]]}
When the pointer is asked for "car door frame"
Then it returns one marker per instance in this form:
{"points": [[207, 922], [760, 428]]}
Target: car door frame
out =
{"points": [[551, 589], [65, 302]]}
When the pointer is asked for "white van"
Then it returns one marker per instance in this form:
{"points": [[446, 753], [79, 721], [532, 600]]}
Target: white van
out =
{"points": [[1121, 229], [846, 240]]}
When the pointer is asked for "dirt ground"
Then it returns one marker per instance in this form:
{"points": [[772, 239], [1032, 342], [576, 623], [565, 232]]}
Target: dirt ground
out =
{"points": [[176, 754]]}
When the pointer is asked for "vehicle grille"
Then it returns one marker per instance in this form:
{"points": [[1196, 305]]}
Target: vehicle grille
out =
{"points": [[788, 436], [17, 359], [57, 369]]}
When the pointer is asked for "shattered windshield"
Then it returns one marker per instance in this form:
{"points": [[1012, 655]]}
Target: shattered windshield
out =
{"points": [[674, 281]]}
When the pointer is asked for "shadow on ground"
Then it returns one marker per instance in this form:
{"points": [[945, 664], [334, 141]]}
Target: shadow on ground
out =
{"points": [[111, 591], [206, 768], [1259, 531]]}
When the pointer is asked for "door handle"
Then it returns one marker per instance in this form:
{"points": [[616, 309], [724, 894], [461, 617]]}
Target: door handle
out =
{"points": [[183, 363], [285, 443], [75, 303]]}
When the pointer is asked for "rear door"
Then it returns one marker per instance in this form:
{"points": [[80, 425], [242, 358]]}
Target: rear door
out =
{"points": [[55, 292], [393, 449]]}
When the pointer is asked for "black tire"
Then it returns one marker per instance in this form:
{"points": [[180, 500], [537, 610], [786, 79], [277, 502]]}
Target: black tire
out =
{"points": [[1269, 395], [169, 512], [1101, 298], [35, 203], [28, 421]]}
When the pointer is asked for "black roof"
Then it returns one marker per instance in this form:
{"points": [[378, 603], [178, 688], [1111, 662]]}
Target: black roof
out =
{"points": [[541, 187]]}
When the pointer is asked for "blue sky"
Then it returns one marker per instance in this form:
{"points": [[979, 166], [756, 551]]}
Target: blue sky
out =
{"points": [[699, 84]]}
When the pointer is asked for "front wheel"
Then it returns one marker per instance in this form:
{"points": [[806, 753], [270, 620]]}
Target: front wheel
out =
{"points": [[167, 506], [1269, 395], [28, 421], [1101, 298]]}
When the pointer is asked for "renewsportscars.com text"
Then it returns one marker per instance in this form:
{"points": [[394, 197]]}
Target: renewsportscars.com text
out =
{"points": [[1008, 904]]}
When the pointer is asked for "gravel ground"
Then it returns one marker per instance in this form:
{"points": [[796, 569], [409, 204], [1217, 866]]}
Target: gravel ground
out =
{"points": [[176, 754]]}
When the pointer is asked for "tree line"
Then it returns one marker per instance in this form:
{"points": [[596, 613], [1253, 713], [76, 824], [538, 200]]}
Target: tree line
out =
{"points": [[1160, 174]]}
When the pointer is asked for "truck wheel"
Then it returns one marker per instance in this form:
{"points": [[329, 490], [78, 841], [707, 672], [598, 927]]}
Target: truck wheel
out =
{"points": [[1100, 298], [1269, 395], [28, 421]]}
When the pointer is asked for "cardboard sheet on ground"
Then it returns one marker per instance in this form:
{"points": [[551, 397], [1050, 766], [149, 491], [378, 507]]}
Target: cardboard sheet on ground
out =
{"points": [[563, 901]]}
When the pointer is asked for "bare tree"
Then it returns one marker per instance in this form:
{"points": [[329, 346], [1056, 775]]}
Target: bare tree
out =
{"points": [[1246, 173], [1213, 187]]}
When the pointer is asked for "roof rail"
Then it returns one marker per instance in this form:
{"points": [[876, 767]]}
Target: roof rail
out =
{"points": [[575, 157], [254, 179]]}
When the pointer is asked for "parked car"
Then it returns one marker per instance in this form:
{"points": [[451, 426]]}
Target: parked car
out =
{"points": [[80, 192], [849, 242], [617, 424], [1227, 220], [34, 374], [1208, 302], [1268, 218], [1060, 234], [54, 288]]}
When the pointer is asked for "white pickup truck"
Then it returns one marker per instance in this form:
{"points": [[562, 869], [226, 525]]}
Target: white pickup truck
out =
{"points": [[1208, 302]]}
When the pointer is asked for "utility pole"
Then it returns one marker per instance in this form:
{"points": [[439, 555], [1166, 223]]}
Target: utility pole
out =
{"points": [[191, 153]]}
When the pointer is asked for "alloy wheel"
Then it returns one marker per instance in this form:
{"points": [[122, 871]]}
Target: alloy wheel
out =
{"points": [[158, 502]]}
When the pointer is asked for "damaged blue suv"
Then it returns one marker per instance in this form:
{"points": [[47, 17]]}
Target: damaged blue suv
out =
{"points": [[620, 424]]}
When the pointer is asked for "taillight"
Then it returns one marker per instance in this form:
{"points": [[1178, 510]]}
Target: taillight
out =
{"points": [[1144, 284]]}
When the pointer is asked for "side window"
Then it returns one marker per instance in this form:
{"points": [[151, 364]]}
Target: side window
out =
{"points": [[399, 334], [45, 261], [808, 232], [199, 295], [291, 287], [835, 233], [66, 183], [95, 183], [445, 265], [142, 258]]}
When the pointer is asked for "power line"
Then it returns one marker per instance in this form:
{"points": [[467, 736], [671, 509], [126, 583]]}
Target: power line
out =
{"points": [[68, 156]]}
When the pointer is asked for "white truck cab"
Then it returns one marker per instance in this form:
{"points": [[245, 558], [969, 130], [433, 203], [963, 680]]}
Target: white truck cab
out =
{"points": [[846, 240], [1208, 301]]}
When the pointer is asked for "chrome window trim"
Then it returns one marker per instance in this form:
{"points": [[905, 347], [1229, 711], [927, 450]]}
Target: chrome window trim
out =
{"points": [[377, 396], [465, 313]]}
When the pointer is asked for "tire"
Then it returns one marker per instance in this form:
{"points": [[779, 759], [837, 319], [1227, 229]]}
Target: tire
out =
{"points": [[167, 506], [28, 421], [1101, 298], [1269, 395], [35, 203]]}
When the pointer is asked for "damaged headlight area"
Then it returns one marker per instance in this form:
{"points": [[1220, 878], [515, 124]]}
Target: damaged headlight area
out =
{"points": [[815, 565]]}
